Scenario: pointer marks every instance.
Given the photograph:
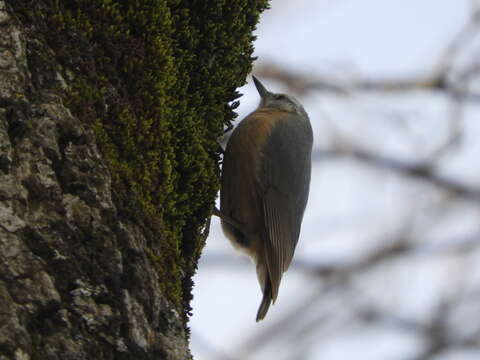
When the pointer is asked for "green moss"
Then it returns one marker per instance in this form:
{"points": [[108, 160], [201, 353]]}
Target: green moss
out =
{"points": [[154, 79]]}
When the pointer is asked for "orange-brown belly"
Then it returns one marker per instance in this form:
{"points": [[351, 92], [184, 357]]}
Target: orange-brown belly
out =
{"points": [[240, 196]]}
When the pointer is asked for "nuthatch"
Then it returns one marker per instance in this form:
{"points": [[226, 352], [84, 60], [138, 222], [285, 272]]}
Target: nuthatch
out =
{"points": [[265, 183]]}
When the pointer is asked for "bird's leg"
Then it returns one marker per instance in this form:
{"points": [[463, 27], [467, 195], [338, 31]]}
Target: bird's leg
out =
{"points": [[221, 145], [229, 127], [229, 220], [221, 140]]}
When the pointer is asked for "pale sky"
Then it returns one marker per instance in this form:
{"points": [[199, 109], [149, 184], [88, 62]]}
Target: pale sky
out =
{"points": [[355, 38]]}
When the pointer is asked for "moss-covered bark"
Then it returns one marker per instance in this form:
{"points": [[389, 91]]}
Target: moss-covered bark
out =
{"points": [[155, 82]]}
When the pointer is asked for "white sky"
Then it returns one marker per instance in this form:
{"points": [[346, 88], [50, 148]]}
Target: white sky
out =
{"points": [[364, 38]]}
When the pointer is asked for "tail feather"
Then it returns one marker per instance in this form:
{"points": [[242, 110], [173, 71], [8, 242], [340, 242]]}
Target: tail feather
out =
{"points": [[266, 300]]}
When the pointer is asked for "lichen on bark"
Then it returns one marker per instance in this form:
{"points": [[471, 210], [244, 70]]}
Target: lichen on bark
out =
{"points": [[109, 115]]}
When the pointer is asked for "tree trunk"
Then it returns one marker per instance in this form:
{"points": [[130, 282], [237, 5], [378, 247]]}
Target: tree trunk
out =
{"points": [[109, 115]]}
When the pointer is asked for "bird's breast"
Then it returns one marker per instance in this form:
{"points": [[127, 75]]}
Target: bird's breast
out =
{"points": [[240, 196]]}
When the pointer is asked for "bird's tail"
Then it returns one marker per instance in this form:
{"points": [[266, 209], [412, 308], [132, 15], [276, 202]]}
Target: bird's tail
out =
{"points": [[266, 300]]}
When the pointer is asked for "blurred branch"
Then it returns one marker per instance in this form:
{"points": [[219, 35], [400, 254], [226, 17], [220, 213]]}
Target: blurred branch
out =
{"points": [[466, 34], [422, 171], [404, 245], [333, 278], [440, 79], [336, 277], [304, 83], [335, 283], [437, 331], [455, 123]]}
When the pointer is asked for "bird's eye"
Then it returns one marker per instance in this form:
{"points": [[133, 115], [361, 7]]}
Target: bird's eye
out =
{"points": [[279, 97]]}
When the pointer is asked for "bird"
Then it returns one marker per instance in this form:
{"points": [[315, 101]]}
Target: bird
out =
{"points": [[265, 183]]}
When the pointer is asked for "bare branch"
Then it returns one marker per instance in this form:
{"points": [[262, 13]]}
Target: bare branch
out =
{"points": [[422, 171]]}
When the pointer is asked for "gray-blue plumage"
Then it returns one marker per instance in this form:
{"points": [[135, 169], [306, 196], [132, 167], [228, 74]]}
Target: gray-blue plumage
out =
{"points": [[265, 185]]}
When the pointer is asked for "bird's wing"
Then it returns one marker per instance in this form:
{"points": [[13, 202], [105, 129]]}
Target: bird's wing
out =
{"points": [[279, 244], [284, 183]]}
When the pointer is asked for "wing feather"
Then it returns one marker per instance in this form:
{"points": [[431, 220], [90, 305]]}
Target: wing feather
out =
{"points": [[284, 183], [278, 249]]}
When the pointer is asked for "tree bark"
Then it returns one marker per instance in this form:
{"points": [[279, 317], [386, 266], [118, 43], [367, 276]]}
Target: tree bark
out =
{"points": [[109, 114]]}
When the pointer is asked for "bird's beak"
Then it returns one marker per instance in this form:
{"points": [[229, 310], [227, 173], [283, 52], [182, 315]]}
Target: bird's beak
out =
{"points": [[260, 88]]}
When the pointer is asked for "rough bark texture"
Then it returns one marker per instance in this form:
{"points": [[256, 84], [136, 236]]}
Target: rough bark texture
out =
{"points": [[101, 223]]}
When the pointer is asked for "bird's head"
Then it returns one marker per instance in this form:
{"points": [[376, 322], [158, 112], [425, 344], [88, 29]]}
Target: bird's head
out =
{"points": [[277, 101]]}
